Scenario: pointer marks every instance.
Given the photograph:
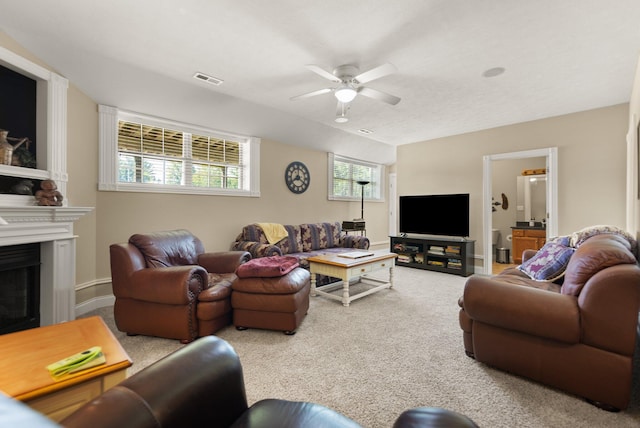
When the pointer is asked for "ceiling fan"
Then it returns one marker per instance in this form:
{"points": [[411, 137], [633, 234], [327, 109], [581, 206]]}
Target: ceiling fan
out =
{"points": [[350, 80]]}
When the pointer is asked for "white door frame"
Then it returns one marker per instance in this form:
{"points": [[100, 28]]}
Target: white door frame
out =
{"points": [[551, 155], [393, 203]]}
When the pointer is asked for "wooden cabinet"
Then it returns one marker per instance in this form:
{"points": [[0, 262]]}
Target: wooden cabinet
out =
{"points": [[442, 255], [526, 239]]}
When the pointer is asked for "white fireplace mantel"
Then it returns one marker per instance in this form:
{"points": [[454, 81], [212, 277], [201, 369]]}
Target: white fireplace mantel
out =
{"points": [[52, 227]]}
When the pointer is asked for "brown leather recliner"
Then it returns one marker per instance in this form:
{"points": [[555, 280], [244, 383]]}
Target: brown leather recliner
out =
{"points": [[202, 385], [166, 285], [199, 385], [579, 336]]}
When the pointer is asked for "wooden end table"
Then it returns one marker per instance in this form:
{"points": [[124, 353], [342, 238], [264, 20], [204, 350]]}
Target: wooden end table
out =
{"points": [[26, 354], [344, 268]]}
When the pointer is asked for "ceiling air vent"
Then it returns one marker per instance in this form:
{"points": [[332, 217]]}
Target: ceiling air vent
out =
{"points": [[208, 79]]}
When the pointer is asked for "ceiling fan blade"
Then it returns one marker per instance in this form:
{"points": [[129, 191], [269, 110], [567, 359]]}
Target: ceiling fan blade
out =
{"points": [[379, 95], [311, 94], [322, 72], [376, 73]]}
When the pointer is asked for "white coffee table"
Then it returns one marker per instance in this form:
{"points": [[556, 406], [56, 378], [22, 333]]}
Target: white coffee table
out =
{"points": [[346, 269]]}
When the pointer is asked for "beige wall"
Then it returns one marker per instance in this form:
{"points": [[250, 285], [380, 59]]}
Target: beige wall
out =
{"points": [[217, 220], [591, 165], [633, 145], [82, 162]]}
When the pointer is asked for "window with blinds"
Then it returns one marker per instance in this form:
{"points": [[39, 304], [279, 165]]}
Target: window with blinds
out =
{"points": [[151, 154], [216, 162], [345, 173], [156, 155]]}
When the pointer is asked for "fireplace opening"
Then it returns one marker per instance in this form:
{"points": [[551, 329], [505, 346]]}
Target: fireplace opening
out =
{"points": [[19, 287]]}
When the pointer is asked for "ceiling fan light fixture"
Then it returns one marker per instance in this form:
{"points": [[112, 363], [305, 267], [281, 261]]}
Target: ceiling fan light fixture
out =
{"points": [[341, 113], [345, 93]]}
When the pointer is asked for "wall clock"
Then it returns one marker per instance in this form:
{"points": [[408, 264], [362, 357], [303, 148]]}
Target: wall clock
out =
{"points": [[297, 177]]}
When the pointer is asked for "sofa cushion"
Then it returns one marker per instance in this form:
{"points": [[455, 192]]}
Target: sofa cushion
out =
{"points": [[293, 242], [549, 263], [597, 253], [254, 233], [515, 276], [320, 235]]}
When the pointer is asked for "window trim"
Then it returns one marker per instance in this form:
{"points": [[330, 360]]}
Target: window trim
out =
{"points": [[378, 191], [108, 169]]}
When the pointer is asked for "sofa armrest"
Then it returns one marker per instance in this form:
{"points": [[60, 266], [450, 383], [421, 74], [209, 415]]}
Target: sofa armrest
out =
{"points": [[199, 385], [609, 304], [524, 309], [174, 285], [223, 261], [354, 241], [256, 249]]}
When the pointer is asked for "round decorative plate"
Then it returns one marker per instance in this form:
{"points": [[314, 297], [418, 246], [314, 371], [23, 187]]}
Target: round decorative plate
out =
{"points": [[297, 177]]}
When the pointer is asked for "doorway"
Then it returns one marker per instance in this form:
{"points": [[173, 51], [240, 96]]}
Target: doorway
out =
{"points": [[551, 157]]}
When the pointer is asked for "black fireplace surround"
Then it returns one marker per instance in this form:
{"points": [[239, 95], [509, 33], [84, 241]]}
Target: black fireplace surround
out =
{"points": [[19, 287]]}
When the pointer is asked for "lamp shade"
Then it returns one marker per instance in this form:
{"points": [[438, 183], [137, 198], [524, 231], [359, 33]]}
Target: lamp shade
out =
{"points": [[345, 93], [362, 183]]}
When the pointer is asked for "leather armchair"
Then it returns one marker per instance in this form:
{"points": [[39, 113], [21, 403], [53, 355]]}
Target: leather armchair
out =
{"points": [[578, 336], [202, 384], [166, 285]]}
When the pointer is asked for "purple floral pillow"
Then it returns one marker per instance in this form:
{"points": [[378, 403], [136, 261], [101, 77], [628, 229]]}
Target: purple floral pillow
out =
{"points": [[549, 263]]}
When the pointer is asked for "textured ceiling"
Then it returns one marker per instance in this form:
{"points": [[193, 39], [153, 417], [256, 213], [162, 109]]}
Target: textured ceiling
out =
{"points": [[559, 56]]}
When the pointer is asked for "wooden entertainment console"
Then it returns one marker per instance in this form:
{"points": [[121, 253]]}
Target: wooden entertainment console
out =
{"points": [[440, 254]]}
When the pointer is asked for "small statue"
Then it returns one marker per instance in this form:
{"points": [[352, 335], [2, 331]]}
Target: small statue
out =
{"points": [[48, 195], [6, 148]]}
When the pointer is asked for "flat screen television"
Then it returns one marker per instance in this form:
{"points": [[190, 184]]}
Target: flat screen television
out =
{"points": [[446, 215]]}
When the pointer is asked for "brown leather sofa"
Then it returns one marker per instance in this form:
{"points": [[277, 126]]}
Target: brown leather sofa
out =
{"points": [[202, 384], [166, 285], [578, 336]]}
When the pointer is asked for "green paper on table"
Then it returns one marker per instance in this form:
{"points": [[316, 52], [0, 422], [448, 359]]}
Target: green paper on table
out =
{"points": [[83, 360]]}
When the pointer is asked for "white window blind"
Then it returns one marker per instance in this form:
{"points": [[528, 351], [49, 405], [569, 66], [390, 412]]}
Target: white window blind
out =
{"points": [[345, 173], [158, 155]]}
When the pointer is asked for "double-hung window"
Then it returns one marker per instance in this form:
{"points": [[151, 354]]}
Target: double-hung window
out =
{"points": [[345, 173], [146, 154]]}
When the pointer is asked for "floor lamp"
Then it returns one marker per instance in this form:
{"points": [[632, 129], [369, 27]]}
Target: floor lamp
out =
{"points": [[362, 183]]}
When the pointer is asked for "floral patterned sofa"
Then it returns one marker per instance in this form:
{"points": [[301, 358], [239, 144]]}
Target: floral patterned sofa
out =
{"points": [[303, 241]]}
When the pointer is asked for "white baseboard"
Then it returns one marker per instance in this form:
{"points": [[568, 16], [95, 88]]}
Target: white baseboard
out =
{"points": [[93, 304]]}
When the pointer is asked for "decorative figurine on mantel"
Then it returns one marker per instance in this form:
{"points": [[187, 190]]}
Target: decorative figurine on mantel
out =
{"points": [[6, 148], [48, 195]]}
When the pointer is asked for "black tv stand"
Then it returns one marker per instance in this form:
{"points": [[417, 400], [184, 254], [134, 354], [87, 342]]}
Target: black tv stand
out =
{"points": [[452, 255]]}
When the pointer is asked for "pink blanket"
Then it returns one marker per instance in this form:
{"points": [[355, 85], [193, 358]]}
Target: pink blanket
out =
{"points": [[267, 267]]}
